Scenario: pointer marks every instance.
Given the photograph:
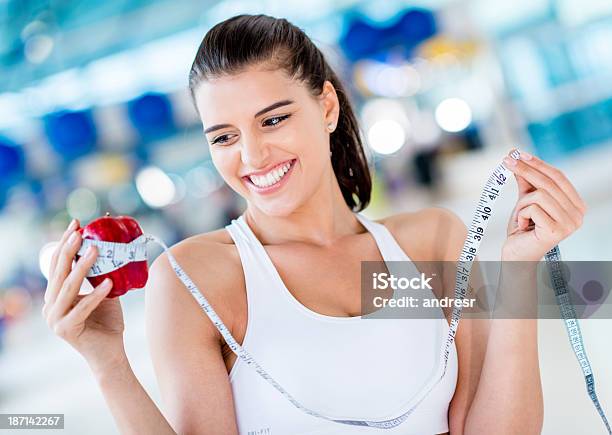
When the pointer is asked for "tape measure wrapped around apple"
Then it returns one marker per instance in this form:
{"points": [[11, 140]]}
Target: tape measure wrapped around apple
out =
{"points": [[121, 253]]}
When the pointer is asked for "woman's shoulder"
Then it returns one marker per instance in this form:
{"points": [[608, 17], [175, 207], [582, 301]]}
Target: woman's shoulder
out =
{"points": [[429, 217], [212, 262], [204, 255], [433, 233]]}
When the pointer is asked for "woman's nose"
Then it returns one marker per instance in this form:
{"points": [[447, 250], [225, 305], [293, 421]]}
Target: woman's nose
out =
{"points": [[254, 153]]}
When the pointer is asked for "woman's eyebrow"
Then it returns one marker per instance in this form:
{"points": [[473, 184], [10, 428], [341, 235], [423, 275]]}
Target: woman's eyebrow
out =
{"points": [[273, 106], [216, 127], [261, 112]]}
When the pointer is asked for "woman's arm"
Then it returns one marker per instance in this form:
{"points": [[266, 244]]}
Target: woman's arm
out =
{"points": [[184, 344], [132, 408], [498, 387], [509, 397]]}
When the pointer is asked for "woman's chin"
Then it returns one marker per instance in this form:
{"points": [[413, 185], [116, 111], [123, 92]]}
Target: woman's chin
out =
{"points": [[277, 207]]}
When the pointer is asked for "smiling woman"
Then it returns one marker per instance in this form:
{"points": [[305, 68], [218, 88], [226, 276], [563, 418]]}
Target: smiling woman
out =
{"points": [[285, 277]]}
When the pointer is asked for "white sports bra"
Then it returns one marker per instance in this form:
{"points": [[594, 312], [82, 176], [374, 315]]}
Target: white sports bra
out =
{"points": [[348, 367]]}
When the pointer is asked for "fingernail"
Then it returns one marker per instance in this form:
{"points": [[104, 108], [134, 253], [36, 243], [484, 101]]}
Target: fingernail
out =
{"points": [[526, 156], [72, 225], [509, 161], [106, 283], [72, 238]]}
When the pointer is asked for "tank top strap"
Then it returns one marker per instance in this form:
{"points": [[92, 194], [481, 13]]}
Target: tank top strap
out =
{"points": [[389, 248], [259, 276], [246, 241], [238, 233]]}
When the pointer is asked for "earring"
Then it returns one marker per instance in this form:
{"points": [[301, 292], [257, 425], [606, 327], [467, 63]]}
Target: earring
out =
{"points": [[330, 127]]}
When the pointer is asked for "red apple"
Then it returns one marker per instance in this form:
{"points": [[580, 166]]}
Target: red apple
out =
{"points": [[121, 229]]}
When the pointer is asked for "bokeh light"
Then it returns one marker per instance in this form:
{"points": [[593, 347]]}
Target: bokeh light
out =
{"points": [[180, 187], [82, 204], [44, 257], [453, 115], [155, 187], [38, 48], [201, 181], [386, 136]]}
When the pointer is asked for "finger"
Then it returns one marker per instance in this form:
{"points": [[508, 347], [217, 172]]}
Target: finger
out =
{"points": [[73, 282], [90, 302], [541, 181], [524, 186], [545, 226], [534, 213], [550, 206], [64, 264], [76, 300], [558, 176], [74, 224]]}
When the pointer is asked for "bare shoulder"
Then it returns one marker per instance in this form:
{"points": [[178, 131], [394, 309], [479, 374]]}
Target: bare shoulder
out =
{"points": [[203, 251], [433, 233], [212, 262]]}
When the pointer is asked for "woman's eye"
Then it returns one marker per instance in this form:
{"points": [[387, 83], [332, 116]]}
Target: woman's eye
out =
{"points": [[220, 139], [270, 122], [275, 120]]}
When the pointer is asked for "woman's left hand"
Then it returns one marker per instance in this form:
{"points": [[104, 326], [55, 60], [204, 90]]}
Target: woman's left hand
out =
{"points": [[548, 209]]}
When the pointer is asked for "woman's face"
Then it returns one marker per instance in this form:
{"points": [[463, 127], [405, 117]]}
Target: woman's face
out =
{"points": [[268, 136]]}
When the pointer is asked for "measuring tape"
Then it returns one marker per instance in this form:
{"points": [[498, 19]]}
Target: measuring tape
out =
{"points": [[115, 255], [112, 256]]}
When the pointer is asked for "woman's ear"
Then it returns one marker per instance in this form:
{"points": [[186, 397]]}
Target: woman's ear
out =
{"points": [[330, 105]]}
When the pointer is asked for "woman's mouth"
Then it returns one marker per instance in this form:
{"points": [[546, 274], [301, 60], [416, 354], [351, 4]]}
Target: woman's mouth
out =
{"points": [[272, 180]]}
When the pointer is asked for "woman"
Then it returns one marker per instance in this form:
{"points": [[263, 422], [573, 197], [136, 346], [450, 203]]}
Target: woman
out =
{"points": [[285, 276]]}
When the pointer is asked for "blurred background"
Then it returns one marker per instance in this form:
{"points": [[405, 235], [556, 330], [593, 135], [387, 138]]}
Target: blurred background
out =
{"points": [[95, 117]]}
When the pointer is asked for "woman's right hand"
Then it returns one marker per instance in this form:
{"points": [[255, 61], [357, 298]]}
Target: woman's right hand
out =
{"points": [[91, 323]]}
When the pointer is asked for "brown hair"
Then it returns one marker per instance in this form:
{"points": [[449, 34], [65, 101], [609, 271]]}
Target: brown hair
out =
{"points": [[244, 40]]}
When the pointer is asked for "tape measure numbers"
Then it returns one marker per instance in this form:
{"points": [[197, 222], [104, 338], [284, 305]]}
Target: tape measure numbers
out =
{"points": [[112, 256], [115, 255]]}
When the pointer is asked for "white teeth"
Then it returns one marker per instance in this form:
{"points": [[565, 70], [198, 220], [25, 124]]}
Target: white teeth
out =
{"points": [[271, 177]]}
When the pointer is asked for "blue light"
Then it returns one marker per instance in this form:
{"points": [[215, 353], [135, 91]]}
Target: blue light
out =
{"points": [[151, 115], [364, 40], [71, 134], [12, 163]]}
